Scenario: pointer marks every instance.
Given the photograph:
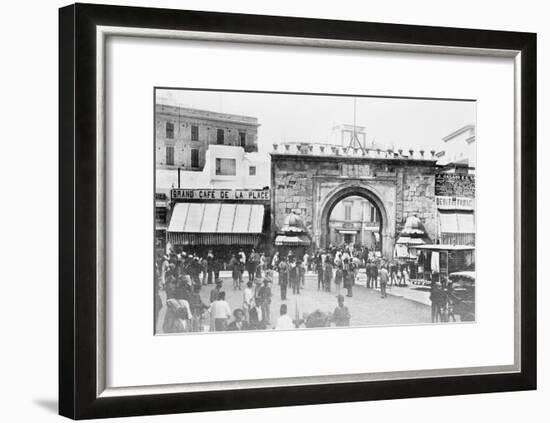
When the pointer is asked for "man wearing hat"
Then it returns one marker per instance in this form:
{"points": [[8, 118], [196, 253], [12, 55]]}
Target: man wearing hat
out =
{"points": [[239, 323], [341, 315], [216, 290]]}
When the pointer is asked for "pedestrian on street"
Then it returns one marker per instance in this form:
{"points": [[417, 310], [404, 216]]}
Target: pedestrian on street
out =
{"points": [[374, 275], [338, 278], [301, 273], [204, 267], [265, 301], [348, 277], [327, 273], [211, 266], [341, 315], [393, 272], [402, 281], [253, 263], [235, 265], [384, 278], [248, 300], [275, 260], [319, 266], [220, 313], [197, 309], [214, 294], [283, 278], [256, 320], [293, 275], [437, 297], [284, 322], [239, 323], [368, 271]]}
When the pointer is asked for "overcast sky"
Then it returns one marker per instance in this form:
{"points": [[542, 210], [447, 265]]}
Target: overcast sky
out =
{"points": [[397, 123]]}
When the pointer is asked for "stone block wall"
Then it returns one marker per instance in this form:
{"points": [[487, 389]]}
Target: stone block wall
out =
{"points": [[413, 184], [418, 197], [292, 187]]}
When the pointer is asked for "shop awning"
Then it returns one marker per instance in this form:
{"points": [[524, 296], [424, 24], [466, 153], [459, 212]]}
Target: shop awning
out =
{"points": [[457, 223], [292, 240], [215, 223], [406, 240]]}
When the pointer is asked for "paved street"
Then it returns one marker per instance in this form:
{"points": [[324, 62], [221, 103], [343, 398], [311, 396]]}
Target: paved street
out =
{"points": [[366, 306]]}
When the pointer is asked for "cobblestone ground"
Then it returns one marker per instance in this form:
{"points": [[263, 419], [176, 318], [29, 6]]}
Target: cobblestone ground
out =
{"points": [[366, 306]]}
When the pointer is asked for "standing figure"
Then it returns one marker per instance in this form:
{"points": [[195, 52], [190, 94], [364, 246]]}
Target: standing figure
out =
{"points": [[293, 275], [393, 272], [265, 300], [211, 266], [205, 266], [301, 273], [327, 274], [253, 263], [319, 268], [341, 316], [256, 318], [401, 280], [275, 260], [374, 275], [283, 278], [220, 313], [384, 278], [248, 300], [284, 322], [338, 278], [235, 266], [197, 309]]}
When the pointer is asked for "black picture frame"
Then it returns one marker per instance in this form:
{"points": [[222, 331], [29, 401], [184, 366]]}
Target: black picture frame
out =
{"points": [[78, 199]]}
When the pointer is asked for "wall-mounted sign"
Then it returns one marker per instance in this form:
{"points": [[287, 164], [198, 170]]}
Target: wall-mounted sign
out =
{"points": [[220, 194]]}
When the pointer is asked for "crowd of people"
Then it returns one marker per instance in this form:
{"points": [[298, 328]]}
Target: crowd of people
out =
{"points": [[181, 277]]}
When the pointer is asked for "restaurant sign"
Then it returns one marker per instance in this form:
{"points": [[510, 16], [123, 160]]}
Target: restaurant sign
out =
{"points": [[220, 194]]}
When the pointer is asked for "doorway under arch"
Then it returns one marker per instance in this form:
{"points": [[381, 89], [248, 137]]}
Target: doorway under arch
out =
{"points": [[341, 194]]}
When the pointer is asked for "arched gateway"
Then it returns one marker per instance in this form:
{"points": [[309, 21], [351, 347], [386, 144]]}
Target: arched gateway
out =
{"points": [[353, 188], [309, 180]]}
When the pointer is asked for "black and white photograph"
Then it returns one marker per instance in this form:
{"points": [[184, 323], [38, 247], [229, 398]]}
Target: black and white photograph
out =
{"points": [[291, 211]]}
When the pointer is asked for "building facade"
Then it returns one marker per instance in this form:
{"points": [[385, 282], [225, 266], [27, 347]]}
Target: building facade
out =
{"points": [[355, 221], [460, 147], [220, 208], [310, 182], [183, 135]]}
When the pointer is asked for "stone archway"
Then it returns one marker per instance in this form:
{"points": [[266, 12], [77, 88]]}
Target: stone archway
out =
{"points": [[340, 193]]}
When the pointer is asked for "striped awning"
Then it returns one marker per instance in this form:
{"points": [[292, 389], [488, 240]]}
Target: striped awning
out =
{"points": [[457, 223], [215, 223], [181, 238], [292, 240]]}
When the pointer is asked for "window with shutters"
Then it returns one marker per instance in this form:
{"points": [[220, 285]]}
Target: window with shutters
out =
{"points": [[226, 167], [194, 157], [220, 136], [169, 130], [170, 155], [194, 133], [242, 139], [347, 212]]}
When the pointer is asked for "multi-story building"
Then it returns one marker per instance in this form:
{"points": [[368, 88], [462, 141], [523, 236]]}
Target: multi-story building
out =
{"points": [[460, 147], [183, 135], [355, 221], [225, 167], [224, 205]]}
